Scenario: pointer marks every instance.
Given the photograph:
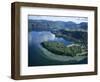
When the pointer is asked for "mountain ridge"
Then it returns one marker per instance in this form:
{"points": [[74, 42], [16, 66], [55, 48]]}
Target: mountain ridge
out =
{"points": [[40, 25]]}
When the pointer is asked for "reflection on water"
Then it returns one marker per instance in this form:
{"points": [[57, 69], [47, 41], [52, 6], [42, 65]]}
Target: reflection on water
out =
{"points": [[38, 37]]}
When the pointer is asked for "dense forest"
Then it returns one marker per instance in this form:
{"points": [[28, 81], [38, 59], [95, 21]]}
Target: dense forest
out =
{"points": [[60, 49]]}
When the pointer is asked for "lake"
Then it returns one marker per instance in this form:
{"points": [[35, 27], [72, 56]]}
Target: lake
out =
{"points": [[36, 56]]}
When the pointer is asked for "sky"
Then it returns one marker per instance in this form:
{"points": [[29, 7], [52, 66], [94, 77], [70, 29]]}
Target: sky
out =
{"points": [[59, 18]]}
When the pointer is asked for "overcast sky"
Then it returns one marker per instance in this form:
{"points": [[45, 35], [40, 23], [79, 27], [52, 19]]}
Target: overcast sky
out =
{"points": [[56, 18]]}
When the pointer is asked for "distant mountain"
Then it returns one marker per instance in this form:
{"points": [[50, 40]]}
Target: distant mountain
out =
{"points": [[83, 25], [45, 25], [38, 25], [71, 25]]}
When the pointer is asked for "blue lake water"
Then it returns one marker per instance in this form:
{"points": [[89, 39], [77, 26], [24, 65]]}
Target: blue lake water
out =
{"points": [[35, 55], [38, 37]]}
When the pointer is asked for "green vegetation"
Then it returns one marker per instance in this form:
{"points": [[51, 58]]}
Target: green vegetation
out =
{"points": [[60, 49]]}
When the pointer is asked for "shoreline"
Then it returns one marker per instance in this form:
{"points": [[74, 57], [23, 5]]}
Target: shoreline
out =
{"points": [[52, 56]]}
